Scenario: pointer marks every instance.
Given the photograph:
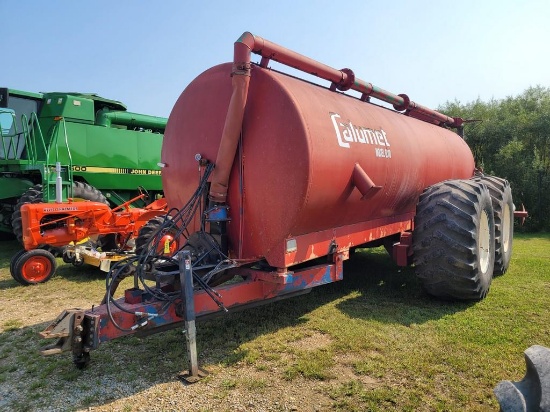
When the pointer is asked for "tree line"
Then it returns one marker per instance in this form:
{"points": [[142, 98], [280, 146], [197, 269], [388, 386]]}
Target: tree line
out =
{"points": [[510, 138]]}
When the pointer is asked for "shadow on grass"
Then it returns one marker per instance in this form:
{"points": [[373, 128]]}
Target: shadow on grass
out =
{"points": [[390, 294], [79, 274], [386, 294], [9, 284], [7, 250], [66, 271], [131, 363]]}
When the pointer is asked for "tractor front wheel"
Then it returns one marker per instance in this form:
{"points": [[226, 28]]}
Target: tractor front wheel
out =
{"points": [[12, 265], [454, 240], [35, 266]]}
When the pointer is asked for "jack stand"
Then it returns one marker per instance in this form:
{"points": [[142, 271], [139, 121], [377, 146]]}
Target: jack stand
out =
{"points": [[194, 374]]}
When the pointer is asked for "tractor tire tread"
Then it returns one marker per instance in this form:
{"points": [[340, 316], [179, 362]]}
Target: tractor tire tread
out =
{"points": [[19, 263], [445, 240], [146, 232], [500, 192]]}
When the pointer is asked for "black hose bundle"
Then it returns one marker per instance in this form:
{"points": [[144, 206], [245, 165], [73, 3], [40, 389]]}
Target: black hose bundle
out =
{"points": [[148, 259]]}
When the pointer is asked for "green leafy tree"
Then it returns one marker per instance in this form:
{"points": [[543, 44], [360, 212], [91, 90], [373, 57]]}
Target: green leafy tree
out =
{"points": [[512, 140]]}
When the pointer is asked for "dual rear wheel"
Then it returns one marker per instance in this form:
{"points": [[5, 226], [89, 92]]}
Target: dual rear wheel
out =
{"points": [[503, 208], [463, 236]]}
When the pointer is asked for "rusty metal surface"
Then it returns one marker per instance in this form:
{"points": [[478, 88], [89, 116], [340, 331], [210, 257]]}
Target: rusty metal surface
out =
{"points": [[293, 174], [260, 287], [67, 328]]}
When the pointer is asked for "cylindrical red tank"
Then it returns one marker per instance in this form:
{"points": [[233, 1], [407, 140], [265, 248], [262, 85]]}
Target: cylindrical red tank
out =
{"points": [[301, 143]]}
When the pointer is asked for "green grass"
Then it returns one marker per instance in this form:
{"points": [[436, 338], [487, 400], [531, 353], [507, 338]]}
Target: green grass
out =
{"points": [[374, 341]]}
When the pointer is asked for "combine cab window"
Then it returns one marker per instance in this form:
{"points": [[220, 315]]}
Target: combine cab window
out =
{"points": [[13, 139], [22, 107], [6, 121]]}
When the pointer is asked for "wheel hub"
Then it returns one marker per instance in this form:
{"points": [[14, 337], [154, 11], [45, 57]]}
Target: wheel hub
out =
{"points": [[36, 269], [484, 242], [506, 219]]}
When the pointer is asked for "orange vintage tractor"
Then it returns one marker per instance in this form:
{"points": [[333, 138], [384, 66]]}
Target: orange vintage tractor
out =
{"points": [[68, 225]]}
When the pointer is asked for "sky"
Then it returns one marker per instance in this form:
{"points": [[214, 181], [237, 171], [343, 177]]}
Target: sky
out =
{"points": [[144, 53]]}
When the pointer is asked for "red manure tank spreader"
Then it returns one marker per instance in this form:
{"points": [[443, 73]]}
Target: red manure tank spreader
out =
{"points": [[274, 180]]}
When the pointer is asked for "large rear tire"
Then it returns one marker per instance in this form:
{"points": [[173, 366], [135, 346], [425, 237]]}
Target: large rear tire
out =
{"points": [[32, 195], [81, 191], [165, 243], [503, 207], [454, 240]]}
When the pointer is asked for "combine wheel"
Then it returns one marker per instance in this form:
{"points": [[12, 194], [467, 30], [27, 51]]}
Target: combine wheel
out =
{"points": [[454, 240], [32, 195], [35, 266], [166, 244], [81, 191], [503, 207]]}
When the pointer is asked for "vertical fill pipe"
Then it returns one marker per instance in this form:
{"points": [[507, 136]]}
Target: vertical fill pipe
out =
{"points": [[233, 122]]}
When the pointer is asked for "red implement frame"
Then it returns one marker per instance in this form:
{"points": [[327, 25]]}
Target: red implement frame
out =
{"points": [[138, 313], [258, 287]]}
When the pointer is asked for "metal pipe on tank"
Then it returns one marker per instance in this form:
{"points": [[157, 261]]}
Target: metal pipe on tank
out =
{"points": [[421, 112], [272, 51], [243, 47], [369, 89], [233, 123], [363, 182], [343, 79]]}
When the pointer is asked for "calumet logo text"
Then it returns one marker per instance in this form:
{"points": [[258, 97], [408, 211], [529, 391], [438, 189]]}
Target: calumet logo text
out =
{"points": [[348, 134]]}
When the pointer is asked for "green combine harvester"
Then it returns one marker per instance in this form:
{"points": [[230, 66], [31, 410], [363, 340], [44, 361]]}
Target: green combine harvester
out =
{"points": [[93, 148]]}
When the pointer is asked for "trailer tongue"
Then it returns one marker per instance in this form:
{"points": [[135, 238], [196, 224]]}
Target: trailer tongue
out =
{"points": [[292, 177]]}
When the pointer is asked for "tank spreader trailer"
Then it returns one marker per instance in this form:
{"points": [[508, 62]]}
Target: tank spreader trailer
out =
{"points": [[292, 177]]}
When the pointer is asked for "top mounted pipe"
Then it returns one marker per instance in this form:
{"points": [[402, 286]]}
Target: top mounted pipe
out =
{"points": [[341, 80]]}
